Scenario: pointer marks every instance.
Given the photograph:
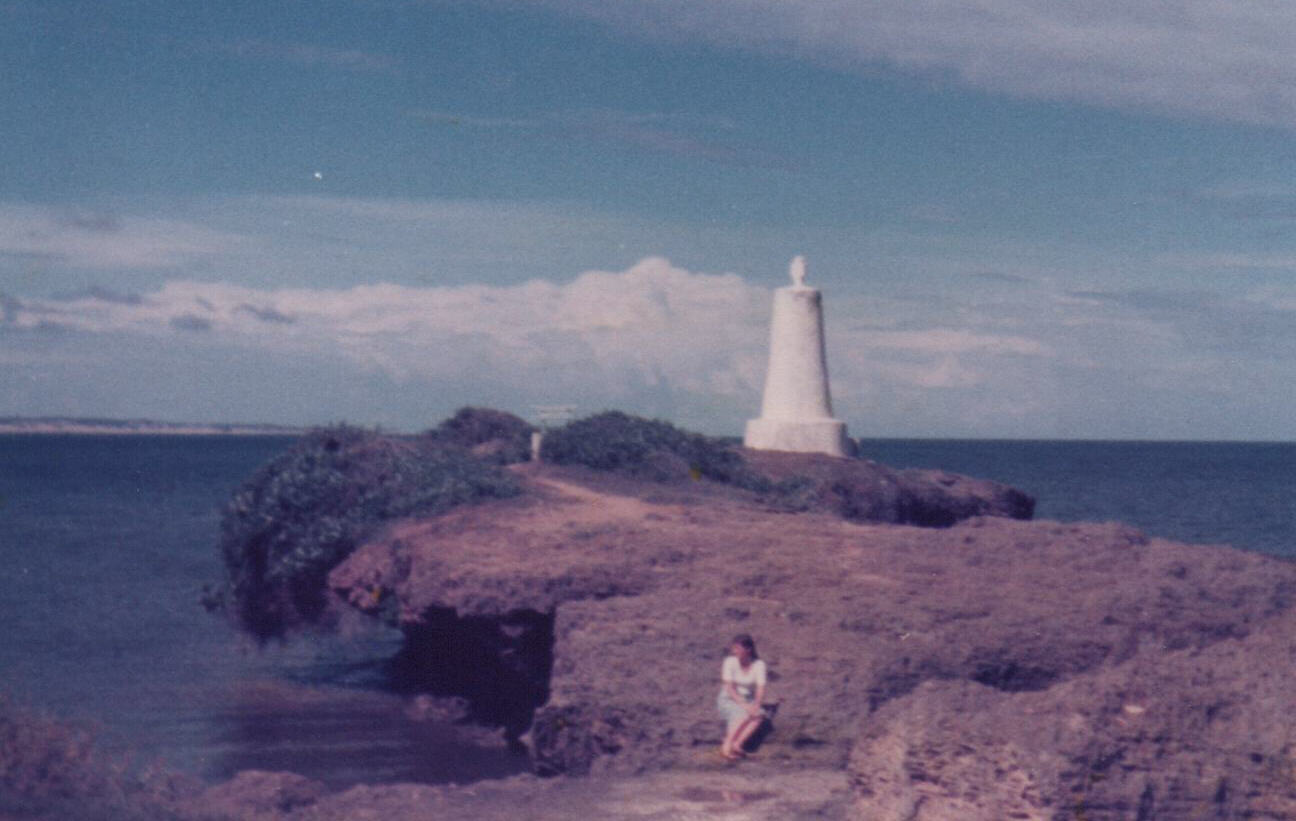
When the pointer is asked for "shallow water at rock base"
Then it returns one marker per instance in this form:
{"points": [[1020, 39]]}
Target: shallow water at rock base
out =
{"points": [[344, 736]]}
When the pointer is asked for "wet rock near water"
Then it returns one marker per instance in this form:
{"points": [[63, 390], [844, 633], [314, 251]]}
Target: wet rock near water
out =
{"points": [[253, 795]]}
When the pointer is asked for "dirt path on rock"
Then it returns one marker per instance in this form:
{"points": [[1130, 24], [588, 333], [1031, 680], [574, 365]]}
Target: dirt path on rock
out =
{"points": [[594, 507]]}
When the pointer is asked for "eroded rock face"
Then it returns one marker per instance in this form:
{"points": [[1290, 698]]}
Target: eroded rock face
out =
{"points": [[881, 639], [1178, 734]]}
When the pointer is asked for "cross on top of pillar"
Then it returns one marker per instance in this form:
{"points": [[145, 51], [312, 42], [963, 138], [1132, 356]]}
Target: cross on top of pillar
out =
{"points": [[797, 270]]}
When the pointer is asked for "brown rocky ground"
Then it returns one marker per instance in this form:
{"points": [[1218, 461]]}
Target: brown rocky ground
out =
{"points": [[1191, 733], [755, 794], [994, 669]]}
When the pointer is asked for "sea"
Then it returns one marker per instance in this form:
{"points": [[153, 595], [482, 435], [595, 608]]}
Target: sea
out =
{"points": [[108, 542]]}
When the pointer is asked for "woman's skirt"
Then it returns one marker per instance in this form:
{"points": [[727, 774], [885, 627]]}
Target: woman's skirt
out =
{"points": [[733, 712]]}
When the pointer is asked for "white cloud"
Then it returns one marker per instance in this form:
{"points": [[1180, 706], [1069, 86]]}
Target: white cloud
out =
{"points": [[375, 300], [696, 137], [1228, 262], [944, 341], [651, 322], [303, 54], [103, 240], [1227, 59], [611, 338], [941, 372], [655, 323], [658, 339], [1277, 298], [308, 241]]}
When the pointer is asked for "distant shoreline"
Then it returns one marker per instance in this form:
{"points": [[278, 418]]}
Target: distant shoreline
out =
{"points": [[137, 427]]}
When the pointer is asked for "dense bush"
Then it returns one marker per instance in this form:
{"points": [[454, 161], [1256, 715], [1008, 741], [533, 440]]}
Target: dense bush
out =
{"points": [[646, 448], [51, 771], [300, 515], [495, 435], [652, 449]]}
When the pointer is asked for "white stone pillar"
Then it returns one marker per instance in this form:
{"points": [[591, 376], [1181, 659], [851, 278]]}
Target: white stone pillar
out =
{"points": [[796, 412]]}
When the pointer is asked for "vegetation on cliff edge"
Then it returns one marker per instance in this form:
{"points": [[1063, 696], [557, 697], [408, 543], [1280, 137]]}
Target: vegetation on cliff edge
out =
{"points": [[303, 513], [493, 435], [646, 448], [300, 515], [659, 451]]}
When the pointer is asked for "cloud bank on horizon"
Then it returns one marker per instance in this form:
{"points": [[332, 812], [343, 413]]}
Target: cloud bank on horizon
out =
{"points": [[1029, 219], [655, 338]]}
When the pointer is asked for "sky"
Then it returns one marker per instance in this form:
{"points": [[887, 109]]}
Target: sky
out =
{"points": [[1028, 218]]}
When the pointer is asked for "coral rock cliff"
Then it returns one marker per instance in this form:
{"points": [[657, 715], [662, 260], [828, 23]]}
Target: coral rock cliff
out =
{"points": [[995, 668]]}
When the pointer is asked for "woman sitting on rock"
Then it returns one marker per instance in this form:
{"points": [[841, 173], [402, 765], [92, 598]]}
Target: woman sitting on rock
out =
{"points": [[742, 686]]}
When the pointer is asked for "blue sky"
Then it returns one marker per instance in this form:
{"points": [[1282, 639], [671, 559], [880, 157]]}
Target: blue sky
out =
{"points": [[1029, 218]]}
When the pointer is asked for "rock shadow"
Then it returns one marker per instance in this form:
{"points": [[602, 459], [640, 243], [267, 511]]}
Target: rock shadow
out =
{"points": [[499, 665]]}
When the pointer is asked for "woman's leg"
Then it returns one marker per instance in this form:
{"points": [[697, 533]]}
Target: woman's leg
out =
{"points": [[734, 715], [739, 730], [735, 738], [732, 729], [745, 731]]}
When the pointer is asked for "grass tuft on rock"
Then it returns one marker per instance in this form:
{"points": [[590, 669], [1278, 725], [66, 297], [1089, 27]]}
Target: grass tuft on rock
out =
{"points": [[305, 511]]}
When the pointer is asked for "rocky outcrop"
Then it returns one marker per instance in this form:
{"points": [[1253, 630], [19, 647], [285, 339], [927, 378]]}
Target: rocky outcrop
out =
{"points": [[1191, 733], [944, 668], [256, 795], [863, 490]]}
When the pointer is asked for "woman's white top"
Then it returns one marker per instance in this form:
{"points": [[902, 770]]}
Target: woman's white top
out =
{"points": [[746, 681]]}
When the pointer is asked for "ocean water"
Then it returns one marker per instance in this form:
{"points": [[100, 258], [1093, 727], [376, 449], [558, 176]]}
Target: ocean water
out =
{"points": [[108, 541], [1237, 493], [106, 544]]}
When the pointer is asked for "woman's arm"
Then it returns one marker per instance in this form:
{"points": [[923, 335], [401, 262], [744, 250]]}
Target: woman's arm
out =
{"points": [[754, 708], [732, 692], [760, 674]]}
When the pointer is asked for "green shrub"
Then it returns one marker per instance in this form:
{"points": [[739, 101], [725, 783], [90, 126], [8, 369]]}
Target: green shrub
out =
{"points": [[300, 515], [500, 437], [648, 448]]}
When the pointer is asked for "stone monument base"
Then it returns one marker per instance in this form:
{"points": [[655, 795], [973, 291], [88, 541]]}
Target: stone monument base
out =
{"points": [[813, 436]]}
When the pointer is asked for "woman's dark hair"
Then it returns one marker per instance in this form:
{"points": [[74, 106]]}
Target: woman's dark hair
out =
{"points": [[746, 641]]}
